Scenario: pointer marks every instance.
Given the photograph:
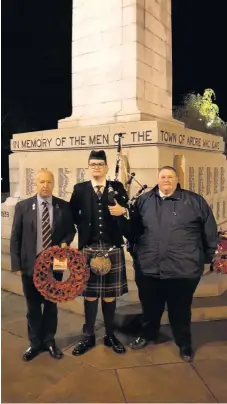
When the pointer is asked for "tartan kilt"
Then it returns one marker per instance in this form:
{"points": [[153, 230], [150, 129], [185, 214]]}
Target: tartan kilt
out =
{"points": [[114, 283]]}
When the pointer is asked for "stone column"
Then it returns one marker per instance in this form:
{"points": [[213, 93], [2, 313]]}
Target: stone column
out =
{"points": [[121, 61]]}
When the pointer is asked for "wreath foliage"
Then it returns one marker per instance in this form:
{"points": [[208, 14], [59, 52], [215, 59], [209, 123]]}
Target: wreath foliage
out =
{"points": [[60, 291]]}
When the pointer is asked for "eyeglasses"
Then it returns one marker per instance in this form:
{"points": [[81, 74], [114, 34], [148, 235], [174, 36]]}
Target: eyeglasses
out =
{"points": [[99, 165]]}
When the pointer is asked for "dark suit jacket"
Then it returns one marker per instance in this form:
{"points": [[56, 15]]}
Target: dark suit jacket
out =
{"points": [[24, 232], [81, 206]]}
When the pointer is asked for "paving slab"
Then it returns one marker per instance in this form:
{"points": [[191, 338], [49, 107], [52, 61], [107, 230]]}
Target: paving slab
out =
{"points": [[154, 374], [103, 358], [172, 383], [87, 385], [214, 375], [14, 320], [169, 352], [163, 353], [212, 350], [13, 307], [24, 382]]}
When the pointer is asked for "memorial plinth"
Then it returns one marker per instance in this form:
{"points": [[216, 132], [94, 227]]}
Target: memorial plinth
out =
{"points": [[146, 146]]}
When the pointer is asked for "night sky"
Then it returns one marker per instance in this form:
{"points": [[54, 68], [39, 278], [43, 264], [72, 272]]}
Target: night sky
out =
{"points": [[36, 61]]}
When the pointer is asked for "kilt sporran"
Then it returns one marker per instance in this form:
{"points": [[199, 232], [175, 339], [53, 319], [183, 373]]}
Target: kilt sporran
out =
{"points": [[100, 262]]}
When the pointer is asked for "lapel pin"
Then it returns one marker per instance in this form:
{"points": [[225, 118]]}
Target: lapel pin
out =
{"points": [[33, 206], [57, 206]]}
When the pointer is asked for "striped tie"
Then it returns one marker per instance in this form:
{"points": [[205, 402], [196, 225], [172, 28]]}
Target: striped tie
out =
{"points": [[98, 191], [46, 229]]}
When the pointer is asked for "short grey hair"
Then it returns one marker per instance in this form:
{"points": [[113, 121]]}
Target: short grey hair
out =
{"points": [[167, 168]]}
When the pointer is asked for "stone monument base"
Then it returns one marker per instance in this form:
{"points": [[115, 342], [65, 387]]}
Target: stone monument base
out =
{"points": [[146, 146], [210, 301]]}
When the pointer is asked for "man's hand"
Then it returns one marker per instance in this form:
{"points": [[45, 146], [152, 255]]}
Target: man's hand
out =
{"points": [[117, 210], [18, 273]]}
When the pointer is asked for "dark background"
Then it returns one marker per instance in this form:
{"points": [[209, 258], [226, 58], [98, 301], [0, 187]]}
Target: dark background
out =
{"points": [[36, 61]]}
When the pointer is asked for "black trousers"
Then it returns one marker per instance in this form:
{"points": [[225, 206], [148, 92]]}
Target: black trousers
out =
{"points": [[154, 293], [42, 324]]}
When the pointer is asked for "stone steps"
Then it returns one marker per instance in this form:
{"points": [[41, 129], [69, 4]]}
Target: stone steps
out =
{"points": [[204, 308], [211, 284], [128, 317]]}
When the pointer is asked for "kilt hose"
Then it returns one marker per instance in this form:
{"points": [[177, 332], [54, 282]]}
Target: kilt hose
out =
{"points": [[114, 283]]}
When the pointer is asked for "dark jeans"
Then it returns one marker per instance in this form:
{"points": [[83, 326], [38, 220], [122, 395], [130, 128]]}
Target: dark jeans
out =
{"points": [[154, 293], [42, 324]]}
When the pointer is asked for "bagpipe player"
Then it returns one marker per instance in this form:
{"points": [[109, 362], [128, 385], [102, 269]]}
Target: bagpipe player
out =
{"points": [[99, 209]]}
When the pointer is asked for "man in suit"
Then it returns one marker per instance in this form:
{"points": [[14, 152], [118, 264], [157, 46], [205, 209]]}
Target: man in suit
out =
{"points": [[39, 222], [100, 229]]}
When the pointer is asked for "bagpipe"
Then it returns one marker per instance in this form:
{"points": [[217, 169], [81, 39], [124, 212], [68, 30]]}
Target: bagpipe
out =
{"points": [[131, 178], [133, 199]]}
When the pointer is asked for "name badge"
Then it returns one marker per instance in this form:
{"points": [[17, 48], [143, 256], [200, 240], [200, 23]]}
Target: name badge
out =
{"points": [[60, 264]]}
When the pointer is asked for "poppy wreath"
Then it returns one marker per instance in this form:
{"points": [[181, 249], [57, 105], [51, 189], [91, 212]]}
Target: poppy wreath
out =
{"points": [[60, 291], [220, 259]]}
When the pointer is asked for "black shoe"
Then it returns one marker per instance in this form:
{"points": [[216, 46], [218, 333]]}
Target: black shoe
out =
{"points": [[112, 342], [54, 351], [186, 353], [31, 353], [84, 345]]}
